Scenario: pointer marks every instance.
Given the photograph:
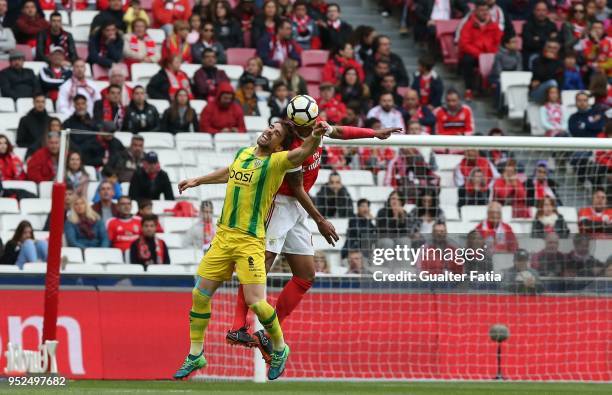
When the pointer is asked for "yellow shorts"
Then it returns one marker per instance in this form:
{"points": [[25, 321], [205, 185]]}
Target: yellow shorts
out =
{"points": [[232, 249]]}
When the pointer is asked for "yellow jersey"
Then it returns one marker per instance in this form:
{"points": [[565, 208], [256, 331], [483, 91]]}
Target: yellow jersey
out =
{"points": [[253, 182]]}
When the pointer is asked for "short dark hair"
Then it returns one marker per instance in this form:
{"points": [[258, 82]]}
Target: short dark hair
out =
{"points": [[144, 203], [371, 122], [111, 86], [149, 218], [79, 97], [281, 22], [278, 84], [137, 137], [39, 94], [363, 200], [124, 197], [452, 91], [334, 5], [507, 37], [481, 3], [208, 50], [427, 62], [55, 14]]}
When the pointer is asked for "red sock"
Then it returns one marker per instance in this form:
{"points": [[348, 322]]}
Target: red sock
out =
{"points": [[241, 311], [291, 296]]}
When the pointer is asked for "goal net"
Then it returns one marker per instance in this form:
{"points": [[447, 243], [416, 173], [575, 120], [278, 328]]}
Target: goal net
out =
{"points": [[537, 210]]}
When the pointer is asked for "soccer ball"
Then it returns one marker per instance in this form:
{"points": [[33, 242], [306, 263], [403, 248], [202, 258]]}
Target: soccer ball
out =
{"points": [[303, 110]]}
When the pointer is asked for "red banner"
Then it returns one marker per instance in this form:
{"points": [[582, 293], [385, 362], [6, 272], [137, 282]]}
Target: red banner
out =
{"points": [[144, 335]]}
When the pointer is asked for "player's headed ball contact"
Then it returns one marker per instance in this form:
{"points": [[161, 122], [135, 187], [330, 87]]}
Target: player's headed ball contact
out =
{"points": [[302, 110]]}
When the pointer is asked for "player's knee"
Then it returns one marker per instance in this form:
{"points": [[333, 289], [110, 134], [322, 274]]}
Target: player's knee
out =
{"points": [[307, 273], [252, 294]]}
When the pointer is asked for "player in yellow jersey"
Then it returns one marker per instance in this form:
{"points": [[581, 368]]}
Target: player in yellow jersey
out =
{"points": [[239, 244]]}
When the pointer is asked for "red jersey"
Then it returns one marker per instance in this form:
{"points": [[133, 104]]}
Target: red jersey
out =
{"points": [[501, 237], [457, 123], [123, 232], [310, 169], [589, 214]]}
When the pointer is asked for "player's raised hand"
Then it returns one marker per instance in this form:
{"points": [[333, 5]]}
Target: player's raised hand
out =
{"points": [[186, 184], [320, 129], [328, 231], [385, 133]]}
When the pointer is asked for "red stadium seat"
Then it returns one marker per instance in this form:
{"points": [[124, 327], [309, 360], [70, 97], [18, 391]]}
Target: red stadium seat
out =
{"points": [[518, 27], [314, 57], [99, 72], [446, 27], [401, 90], [82, 50], [4, 64], [146, 5], [485, 65], [311, 74], [239, 56], [27, 51], [313, 90], [445, 33]]}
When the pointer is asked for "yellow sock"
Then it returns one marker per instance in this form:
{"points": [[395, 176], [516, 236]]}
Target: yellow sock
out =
{"points": [[198, 319], [267, 316]]}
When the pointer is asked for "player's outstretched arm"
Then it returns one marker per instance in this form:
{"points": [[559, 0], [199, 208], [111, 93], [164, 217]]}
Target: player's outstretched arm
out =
{"points": [[219, 176], [296, 183], [309, 146], [352, 133]]}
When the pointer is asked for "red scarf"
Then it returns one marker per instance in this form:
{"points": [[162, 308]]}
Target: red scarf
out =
{"points": [[145, 255], [542, 190], [209, 232], [107, 113], [302, 24], [175, 46], [578, 28], [425, 89], [148, 41], [555, 114], [178, 81], [76, 84], [62, 42]]}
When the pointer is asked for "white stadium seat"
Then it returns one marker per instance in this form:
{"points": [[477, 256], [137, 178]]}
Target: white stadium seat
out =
{"points": [[356, 177], [216, 159], [10, 121], [451, 213], [124, 137], [123, 268], [83, 18], [9, 269], [256, 124], [92, 173], [195, 141], [29, 186], [160, 104], [213, 191], [169, 157], [157, 35], [271, 73], [45, 189], [473, 213], [515, 86], [185, 256], [374, 193], [533, 117], [7, 105], [11, 221], [160, 205], [225, 142], [79, 33], [35, 206], [459, 227], [233, 71], [198, 106], [36, 67], [177, 224], [35, 267], [103, 255], [79, 268], [502, 262], [73, 254], [172, 240], [9, 206], [448, 161], [570, 214], [100, 85], [143, 72], [531, 245], [166, 269], [158, 140], [190, 68], [449, 196]]}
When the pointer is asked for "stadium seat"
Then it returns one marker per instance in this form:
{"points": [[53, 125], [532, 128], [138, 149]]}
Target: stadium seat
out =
{"points": [[270, 73], [125, 137], [177, 224], [198, 106], [146, 4], [9, 206], [450, 50], [92, 188], [239, 56], [73, 254], [99, 84], [19, 151], [570, 214], [35, 206], [185, 256], [99, 73], [82, 51], [172, 240], [216, 191], [323, 176], [158, 140], [174, 158], [7, 104], [375, 193], [64, 14], [35, 267], [534, 120], [473, 213], [520, 227], [143, 72], [122, 268], [92, 172], [160, 205], [233, 71], [459, 227], [216, 159], [79, 268], [485, 65], [26, 50], [356, 177], [10, 121], [173, 174], [157, 35], [231, 141], [103, 255], [451, 213], [35, 66], [45, 188], [9, 269], [313, 90], [83, 18], [502, 262], [515, 86], [190, 68], [29, 186], [264, 110], [195, 141], [166, 269], [518, 27], [314, 57], [255, 124], [531, 245], [449, 196], [25, 104], [10, 135], [448, 161], [311, 74], [320, 244], [79, 33]]}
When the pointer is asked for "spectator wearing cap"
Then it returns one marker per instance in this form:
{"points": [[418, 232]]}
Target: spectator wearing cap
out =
{"points": [[413, 110], [166, 12], [207, 40], [274, 49], [55, 74], [454, 117], [140, 116], [387, 113], [334, 31], [169, 80], [103, 148], [112, 15], [521, 279], [42, 165], [150, 181], [7, 38], [79, 120], [109, 108], [538, 30], [497, 234], [16, 81], [305, 28], [77, 85], [382, 51], [330, 108], [586, 121], [208, 77], [227, 27], [105, 46], [580, 262], [265, 22], [547, 72], [223, 114], [33, 125], [596, 219], [342, 60], [427, 83], [148, 249], [55, 36], [30, 22], [138, 46], [254, 70], [176, 43]]}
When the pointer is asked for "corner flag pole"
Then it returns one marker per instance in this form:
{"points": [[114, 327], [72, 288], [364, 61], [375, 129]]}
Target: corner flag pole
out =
{"points": [[52, 279]]}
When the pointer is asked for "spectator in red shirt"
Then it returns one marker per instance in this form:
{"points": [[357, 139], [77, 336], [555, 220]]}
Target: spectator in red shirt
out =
{"points": [[207, 79], [497, 234], [330, 108], [471, 160], [42, 166], [343, 59], [509, 191], [176, 43], [596, 219], [435, 258], [454, 118], [274, 49], [223, 114], [479, 35], [11, 166], [124, 228], [29, 23], [603, 160], [166, 12], [596, 49]]}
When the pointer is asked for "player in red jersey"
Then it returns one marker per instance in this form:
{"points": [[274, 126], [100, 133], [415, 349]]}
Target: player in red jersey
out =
{"points": [[287, 232]]}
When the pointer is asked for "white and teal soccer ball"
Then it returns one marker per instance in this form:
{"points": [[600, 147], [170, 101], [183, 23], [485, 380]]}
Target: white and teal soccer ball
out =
{"points": [[302, 110]]}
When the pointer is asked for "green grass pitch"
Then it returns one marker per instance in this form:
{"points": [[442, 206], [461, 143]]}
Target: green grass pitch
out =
{"points": [[318, 388]]}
